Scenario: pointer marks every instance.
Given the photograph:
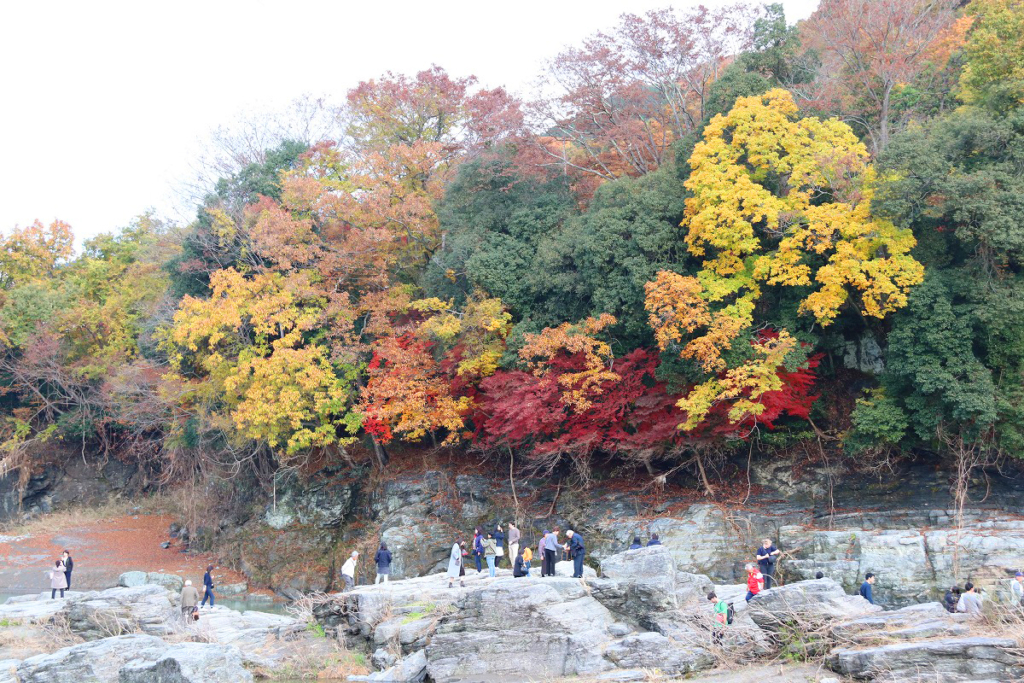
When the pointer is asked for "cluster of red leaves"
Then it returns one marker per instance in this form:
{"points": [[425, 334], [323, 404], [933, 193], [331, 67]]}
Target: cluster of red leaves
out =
{"points": [[632, 417]]}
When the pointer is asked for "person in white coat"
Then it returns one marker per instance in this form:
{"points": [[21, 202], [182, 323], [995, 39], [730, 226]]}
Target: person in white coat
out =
{"points": [[455, 565], [348, 570], [58, 579]]}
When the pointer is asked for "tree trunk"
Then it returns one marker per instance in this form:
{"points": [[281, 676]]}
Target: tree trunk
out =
{"points": [[380, 452]]}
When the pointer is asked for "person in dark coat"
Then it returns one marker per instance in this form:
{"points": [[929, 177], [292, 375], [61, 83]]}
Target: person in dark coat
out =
{"points": [[576, 552], [766, 558], [207, 586], [654, 540], [636, 543], [499, 542], [69, 564], [952, 597], [519, 568], [478, 550], [383, 562], [865, 588]]}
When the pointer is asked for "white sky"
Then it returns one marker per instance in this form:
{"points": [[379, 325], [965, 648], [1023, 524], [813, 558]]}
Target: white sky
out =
{"points": [[105, 104]]}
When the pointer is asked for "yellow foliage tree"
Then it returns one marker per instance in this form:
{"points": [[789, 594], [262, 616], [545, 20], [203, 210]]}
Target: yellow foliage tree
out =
{"points": [[781, 201]]}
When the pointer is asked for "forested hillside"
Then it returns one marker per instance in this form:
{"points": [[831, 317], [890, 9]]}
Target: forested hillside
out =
{"points": [[715, 233]]}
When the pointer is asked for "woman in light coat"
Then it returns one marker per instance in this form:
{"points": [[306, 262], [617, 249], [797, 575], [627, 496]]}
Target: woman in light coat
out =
{"points": [[454, 565], [58, 579]]}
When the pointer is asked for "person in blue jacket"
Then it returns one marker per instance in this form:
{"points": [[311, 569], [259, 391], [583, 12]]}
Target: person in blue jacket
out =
{"points": [[576, 552], [654, 540], [478, 550], [207, 586], [865, 588], [636, 543]]}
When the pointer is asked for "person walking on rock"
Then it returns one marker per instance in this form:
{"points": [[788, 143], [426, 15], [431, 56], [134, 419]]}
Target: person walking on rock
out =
{"points": [[189, 600], [58, 579], [348, 570], [865, 588], [527, 559], [69, 565], [766, 555], [208, 586], [499, 546], [455, 565], [478, 549], [551, 548], [576, 552], [755, 581], [654, 541], [720, 611], [513, 540], [970, 601], [490, 551], [383, 561]]}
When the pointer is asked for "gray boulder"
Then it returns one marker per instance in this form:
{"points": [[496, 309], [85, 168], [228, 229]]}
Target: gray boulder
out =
{"points": [[411, 669], [655, 651], [171, 582], [946, 659], [118, 611], [132, 579], [917, 622], [806, 604], [98, 661], [187, 663]]}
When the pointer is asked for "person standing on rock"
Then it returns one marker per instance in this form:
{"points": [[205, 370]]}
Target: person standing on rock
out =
{"points": [[865, 588], [383, 561], [513, 540], [189, 600], [478, 549], [208, 586], [541, 557], [755, 581], [490, 551], [766, 561], [970, 601], [499, 544], [576, 552], [1017, 589], [455, 565], [527, 558], [348, 570], [551, 547], [654, 541], [69, 565], [58, 580]]}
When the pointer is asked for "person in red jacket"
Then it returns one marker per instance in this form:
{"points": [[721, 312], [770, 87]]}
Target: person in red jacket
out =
{"points": [[755, 581]]}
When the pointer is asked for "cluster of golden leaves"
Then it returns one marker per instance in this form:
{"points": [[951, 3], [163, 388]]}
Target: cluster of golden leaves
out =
{"points": [[783, 201], [570, 339]]}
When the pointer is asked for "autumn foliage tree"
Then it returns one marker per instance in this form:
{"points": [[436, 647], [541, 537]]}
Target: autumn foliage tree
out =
{"points": [[778, 201], [871, 50]]}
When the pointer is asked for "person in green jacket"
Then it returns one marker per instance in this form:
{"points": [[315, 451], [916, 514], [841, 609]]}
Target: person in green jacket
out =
{"points": [[490, 551], [721, 613]]}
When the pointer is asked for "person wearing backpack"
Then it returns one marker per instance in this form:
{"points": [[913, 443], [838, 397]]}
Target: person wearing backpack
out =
{"points": [[722, 617], [383, 561]]}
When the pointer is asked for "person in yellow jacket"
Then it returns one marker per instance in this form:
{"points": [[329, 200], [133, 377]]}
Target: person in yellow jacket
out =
{"points": [[527, 556]]}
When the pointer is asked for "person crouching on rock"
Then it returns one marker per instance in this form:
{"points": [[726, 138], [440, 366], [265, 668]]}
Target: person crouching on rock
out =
{"points": [[383, 561], [576, 552], [348, 570], [952, 597], [455, 568], [970, 600], [208, 586], [527, 559], [189, 600], [519, 566], [58, 580], [490, 552]]}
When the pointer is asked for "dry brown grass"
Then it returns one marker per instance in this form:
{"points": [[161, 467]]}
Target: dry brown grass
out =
{"points": [[65, 518]]}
